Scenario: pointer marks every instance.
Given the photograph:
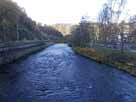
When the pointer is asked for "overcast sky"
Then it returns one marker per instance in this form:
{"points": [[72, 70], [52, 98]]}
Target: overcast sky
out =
{"points": [[65, 11]]}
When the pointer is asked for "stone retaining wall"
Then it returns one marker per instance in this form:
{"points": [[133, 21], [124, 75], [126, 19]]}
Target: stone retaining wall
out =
{"points": [[12, 54]]}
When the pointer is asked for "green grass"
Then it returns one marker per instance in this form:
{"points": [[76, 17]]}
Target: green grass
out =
{"points": [[124, 61]]}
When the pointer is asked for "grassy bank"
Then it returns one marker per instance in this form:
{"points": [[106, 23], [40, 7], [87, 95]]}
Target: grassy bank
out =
{"points": [[124, 61]]}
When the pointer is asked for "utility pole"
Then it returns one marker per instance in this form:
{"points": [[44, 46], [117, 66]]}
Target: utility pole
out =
{"points": [[17, 31], [4, 24]]}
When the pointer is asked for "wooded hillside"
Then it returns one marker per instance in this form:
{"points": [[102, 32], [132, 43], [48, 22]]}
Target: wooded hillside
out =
{"points": [[16, 25]]}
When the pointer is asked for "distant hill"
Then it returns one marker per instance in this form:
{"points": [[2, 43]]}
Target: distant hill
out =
{"points": [[64, 28]]}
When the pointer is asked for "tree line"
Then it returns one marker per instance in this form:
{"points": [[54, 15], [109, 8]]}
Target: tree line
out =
{"points": [[15, 25], [109, 29]]}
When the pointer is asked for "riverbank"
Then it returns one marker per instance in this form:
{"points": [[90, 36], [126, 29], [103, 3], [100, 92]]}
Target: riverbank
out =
{"points": [[8, 55], [124, 61]]}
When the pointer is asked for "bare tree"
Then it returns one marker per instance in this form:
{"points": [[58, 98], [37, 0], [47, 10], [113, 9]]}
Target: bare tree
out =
{"points": [[122, 35], [109, 16], [105, 18]]}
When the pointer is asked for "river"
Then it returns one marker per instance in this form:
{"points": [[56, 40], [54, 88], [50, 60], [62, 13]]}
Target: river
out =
{"points": [[57, 74]]}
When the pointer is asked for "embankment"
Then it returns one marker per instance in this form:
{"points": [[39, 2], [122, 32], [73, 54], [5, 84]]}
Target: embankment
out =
{"points": [[124, 61], [10, 54]]}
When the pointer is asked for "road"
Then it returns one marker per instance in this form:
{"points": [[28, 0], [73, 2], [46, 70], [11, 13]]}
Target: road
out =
{"points": [[57, 74]]}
